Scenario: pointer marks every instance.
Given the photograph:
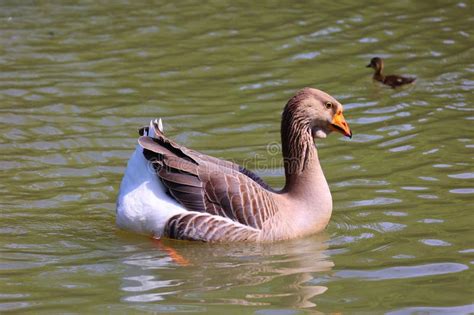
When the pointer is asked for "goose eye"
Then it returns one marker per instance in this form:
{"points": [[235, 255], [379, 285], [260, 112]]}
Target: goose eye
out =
{"points": [[328, 105]]}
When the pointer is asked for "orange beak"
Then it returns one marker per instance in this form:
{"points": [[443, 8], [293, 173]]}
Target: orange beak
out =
{"points": [[339, 124]]}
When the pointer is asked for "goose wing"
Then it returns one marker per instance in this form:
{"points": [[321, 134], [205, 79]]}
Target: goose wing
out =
{"points": [[225, 203], [184, 152]]}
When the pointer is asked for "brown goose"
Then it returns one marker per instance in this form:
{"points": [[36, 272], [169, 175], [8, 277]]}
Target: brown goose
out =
{"points": [[390, 80], [171, 191]]}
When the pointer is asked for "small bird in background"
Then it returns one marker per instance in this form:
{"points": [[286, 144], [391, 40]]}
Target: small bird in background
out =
{"points": [[390, 80]]}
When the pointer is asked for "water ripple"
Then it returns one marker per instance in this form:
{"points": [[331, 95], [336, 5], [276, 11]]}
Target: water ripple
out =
{"points": [[404, 272], [461, 309], [434, 242], [462, 191], [77, 80], [375, 202], [146, 283], [468, 175]]}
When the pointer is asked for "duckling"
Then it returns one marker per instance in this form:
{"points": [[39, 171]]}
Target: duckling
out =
{"points": [[390, 80]]}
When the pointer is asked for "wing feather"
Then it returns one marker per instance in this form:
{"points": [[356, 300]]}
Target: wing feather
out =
{"points": [[205, 227], [227, 202]]}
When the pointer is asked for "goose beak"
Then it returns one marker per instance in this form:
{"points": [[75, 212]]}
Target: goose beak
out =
{"points": [[369, 66], [339, 124]]}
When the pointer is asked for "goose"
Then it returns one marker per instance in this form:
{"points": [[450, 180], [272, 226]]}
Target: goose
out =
{"points": [[174, 192], [390, 80]]}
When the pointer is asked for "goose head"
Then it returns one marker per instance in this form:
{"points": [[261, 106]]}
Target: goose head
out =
{"points": [[318, 111]]}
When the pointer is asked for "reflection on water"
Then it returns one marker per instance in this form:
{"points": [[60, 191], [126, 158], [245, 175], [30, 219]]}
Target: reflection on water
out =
{"points": [[252, 275], [403, 272], [77, 80]]}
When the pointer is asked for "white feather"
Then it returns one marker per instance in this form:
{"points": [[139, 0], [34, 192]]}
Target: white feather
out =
{"points": [[160, 125], [151, 130], [143, 205]]}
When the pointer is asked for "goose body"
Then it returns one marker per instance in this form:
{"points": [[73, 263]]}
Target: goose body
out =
{"points": [[171, 191], [390, 80]]}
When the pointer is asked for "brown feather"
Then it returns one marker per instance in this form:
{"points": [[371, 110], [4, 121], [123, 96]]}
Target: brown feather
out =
{"points": [[206, 184], [205, 227]]}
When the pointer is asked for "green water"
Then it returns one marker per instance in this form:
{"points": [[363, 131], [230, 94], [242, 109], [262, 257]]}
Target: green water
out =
{"points": [[77, 80]]}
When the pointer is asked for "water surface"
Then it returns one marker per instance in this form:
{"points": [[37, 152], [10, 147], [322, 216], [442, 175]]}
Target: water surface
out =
{"points": [[76, 82]]}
